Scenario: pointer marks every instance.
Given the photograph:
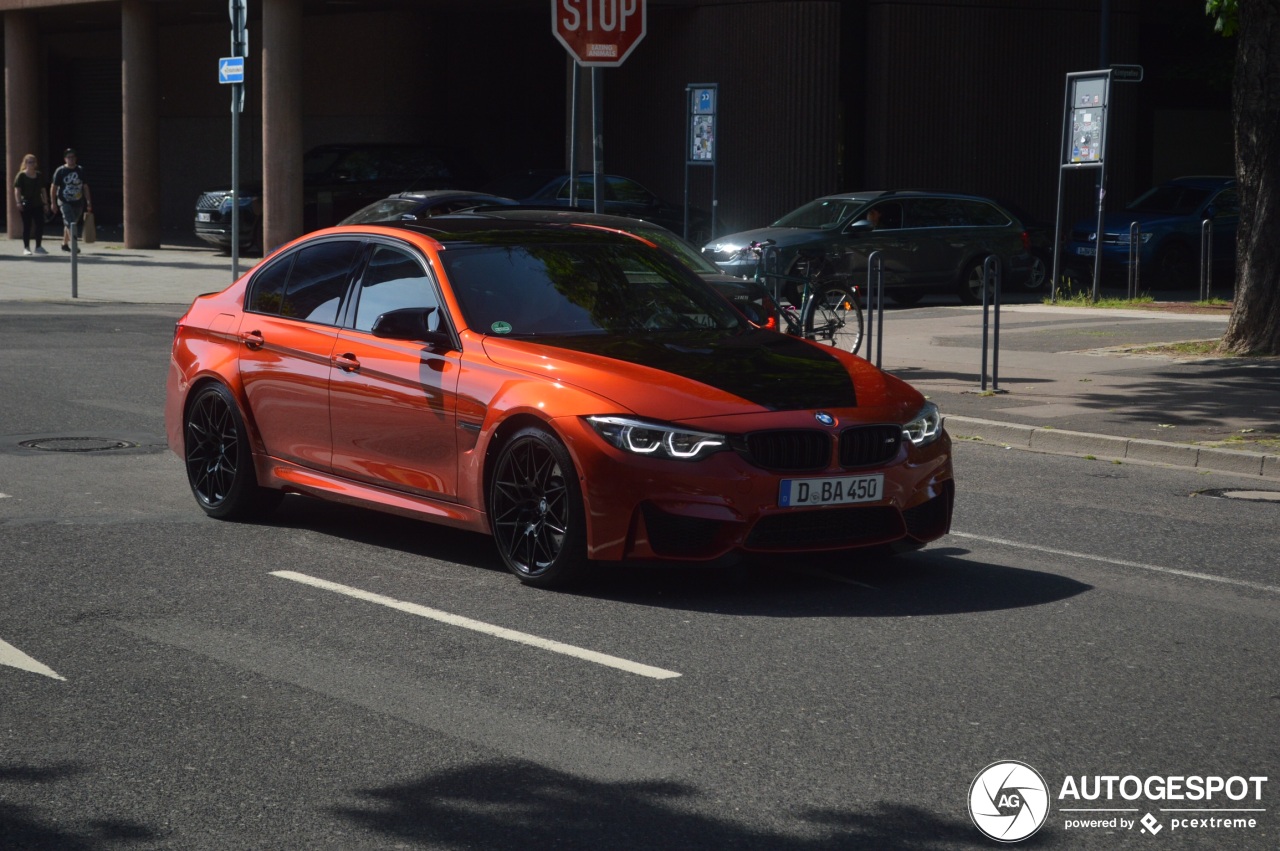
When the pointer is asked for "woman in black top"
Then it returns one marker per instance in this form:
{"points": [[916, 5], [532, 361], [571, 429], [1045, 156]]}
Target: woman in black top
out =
{"points": [[30, 194]]}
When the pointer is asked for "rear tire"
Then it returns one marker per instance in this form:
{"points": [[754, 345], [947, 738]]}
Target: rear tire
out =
{"points": [[219, 459], [834, 316], [536, 510], [971, 282]]}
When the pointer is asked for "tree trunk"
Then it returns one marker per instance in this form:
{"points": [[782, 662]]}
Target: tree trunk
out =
{"points": [[1255, 320]]}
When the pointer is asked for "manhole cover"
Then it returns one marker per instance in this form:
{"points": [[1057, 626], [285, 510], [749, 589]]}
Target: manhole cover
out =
{"points": [[77, 444], [1249, 495]]}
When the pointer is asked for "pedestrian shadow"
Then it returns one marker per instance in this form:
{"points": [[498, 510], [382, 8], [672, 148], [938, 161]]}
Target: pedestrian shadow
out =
{"points": [[515, 804], [23, 827]]}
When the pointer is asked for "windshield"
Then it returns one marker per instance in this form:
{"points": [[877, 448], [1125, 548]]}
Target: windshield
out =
{"points": [[1171, 200], [822, 214], [571, 289]]}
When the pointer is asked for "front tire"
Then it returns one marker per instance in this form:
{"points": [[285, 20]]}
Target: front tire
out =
{"points": [[536, 511], [219, 459]]}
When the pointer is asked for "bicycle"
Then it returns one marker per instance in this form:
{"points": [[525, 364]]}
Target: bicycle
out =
{"points": [[815, 307]]}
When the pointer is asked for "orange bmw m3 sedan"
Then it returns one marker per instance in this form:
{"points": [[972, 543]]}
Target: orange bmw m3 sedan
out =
{"points": [[571, 390]]}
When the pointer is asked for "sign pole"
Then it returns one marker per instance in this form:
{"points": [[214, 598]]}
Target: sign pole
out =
{"points": [[597, 136], [239, 49], [597, 33]]}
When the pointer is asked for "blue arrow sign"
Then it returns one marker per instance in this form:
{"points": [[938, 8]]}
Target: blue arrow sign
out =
{"points": [[231, 69]]}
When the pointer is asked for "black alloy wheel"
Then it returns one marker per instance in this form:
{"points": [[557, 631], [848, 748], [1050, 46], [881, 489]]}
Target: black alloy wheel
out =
{"points": [[535, 510], [1040, 271], [219, 460]]}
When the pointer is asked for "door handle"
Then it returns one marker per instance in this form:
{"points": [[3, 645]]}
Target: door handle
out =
{"points": [[347, 362], [253, 339]]}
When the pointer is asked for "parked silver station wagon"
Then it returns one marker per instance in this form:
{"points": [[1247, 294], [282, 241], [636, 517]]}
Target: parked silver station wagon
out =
{"points": [[930, 242]]}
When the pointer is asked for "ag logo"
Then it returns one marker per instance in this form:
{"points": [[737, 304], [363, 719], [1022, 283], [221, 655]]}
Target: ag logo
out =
{"points": [[1008, 801]]}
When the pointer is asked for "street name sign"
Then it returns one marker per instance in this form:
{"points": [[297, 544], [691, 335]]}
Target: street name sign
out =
{"points": [[231, 69]]}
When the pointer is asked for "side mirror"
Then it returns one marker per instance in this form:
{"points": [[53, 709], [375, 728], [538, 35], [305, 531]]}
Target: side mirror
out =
{"points": [[411, 323], [1210, 211], [860, 226]]}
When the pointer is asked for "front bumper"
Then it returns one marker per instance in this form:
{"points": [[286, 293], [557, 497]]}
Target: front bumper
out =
{"points": [[640, 508]]}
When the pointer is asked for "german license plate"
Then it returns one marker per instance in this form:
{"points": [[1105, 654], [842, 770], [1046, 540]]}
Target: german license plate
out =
{"points": [[204, 217], [1084, 251], [837, 490]]}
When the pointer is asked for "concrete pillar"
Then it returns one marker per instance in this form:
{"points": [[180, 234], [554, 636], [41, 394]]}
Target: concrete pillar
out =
{"points": [[21, 107], [139, 76], [281, 121]]}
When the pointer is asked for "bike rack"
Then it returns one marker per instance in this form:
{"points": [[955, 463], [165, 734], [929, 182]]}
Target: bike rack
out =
{"points": [[1206, 260], [1135, 259], [875, 305], [991, 272]]}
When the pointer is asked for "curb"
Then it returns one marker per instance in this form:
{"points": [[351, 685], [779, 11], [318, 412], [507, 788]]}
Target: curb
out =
{"points": [[1061, 442]]}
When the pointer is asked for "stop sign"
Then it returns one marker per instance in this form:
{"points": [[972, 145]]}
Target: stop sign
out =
{"points": [[598, 32]]}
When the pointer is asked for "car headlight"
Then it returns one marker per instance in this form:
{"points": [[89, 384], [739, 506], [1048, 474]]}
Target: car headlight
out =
{"points": [[926, 427], [1123, 238], [656, 439]]}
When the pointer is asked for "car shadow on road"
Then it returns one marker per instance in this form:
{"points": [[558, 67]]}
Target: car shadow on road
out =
{"points": [[515, 804], [933, 581], [937, 580]]}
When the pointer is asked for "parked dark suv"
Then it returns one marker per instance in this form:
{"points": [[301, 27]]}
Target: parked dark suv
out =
{"points": [[1170, 218], [929, 241], [337, 180]]}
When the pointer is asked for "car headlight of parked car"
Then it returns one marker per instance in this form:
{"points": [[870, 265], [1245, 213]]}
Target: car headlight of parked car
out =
{"points": [[926, 427], [657, 439], [1123, 238]]}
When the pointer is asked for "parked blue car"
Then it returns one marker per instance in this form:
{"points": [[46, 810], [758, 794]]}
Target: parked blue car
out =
{"points": [[1170, 218]]}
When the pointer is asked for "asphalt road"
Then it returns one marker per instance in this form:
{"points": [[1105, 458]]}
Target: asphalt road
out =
{"points": [[171, 681]]}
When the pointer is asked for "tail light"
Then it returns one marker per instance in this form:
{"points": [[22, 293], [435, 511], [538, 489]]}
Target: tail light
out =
{"points": [[1026, 241]]}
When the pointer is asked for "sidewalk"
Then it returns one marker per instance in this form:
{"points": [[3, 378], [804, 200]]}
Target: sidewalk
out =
{"points": [[109, 272], [1067, 382]]}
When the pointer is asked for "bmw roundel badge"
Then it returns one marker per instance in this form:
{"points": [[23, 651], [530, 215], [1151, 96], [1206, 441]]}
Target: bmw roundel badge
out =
{"points": [[825, 418]]}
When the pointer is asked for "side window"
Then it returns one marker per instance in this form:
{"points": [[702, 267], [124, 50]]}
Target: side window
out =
{"points": [[926, 213], [393, 280], [887, 215], [318, 281], [586, 188], [1227, 203], [977, 213], [630, 192], [266, 293]]}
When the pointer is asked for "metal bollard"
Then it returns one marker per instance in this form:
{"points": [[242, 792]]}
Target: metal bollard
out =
{"points": [[875, 304], [991, 273], [1206, 260], [1135, 259], [75, 255]]}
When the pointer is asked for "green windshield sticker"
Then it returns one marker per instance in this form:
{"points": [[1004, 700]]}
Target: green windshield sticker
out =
{"points": [[501, 327]]}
